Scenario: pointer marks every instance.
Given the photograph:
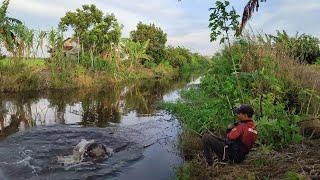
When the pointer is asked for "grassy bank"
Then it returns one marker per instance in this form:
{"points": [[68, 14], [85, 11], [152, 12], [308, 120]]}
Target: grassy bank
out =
{"points": [[95, 55], [283, 92], [41, 74]]}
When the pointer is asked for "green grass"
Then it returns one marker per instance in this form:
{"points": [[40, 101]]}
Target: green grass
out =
{"points": [[37, 62]]}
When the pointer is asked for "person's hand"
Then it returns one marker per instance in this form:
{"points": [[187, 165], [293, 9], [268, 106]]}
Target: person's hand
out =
{"points": [[231, 126]]}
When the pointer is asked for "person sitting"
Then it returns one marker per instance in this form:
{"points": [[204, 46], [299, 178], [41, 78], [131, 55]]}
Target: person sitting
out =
{"points": [[240, 138]]}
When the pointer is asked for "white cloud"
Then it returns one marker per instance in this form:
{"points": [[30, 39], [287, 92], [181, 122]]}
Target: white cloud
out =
{"points": [[40, 8], [290, 15], [167, 14], [185, 22], [196, 41]]}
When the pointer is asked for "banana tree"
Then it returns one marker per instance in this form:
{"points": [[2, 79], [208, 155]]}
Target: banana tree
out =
{"points": [[136, 51], [8, 29], [40, 39]]}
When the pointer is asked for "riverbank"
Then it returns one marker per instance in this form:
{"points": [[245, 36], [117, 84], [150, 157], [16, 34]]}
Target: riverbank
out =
{"points": [[285, 96], [298, 161], [43, 74]]}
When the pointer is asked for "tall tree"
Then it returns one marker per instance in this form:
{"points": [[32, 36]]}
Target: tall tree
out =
{"points": [[157, 40], [97, 32]]}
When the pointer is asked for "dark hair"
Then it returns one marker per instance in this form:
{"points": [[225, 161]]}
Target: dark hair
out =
{"points": [[244, 109]]}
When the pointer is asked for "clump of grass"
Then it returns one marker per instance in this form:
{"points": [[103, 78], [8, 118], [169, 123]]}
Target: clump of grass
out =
{"points": [[190, 145], [19, 76]]}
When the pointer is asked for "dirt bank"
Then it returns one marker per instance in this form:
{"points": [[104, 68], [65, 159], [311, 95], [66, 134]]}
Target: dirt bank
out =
{"points": [[301, 161]]}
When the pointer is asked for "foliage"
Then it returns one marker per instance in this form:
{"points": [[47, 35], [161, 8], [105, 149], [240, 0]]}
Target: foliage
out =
{"points": [[18, 76], [222, 21], [8, 29], [94, 56], [81, 20], [268, 84], [157, 39], [97, 32], [305, 48], [290, 175], [34, 63], [178, 56], [184, 60], [136, 51], [278, 132], [163, 69], [249, 9]]}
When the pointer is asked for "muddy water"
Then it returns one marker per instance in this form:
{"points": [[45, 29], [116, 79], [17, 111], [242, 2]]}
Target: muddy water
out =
{"points": [[37, 128]]}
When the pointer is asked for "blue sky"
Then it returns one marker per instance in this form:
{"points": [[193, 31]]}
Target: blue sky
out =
{"points": [[186, 22]]}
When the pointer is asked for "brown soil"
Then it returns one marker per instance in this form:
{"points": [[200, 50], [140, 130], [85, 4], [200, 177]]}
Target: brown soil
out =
{"points": [[300, 161]]}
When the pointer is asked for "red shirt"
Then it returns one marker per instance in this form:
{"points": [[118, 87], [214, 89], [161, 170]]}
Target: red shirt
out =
{"points": [[247, 133]]}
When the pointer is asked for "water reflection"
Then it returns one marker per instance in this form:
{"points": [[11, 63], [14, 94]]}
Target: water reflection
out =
{"points": [[84, 108]]}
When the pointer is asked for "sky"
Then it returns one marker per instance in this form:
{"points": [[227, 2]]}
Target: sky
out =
{"points": [[185, 22]]}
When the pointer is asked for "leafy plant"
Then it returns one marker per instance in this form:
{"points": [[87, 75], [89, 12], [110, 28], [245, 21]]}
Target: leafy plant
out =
{"points": [[304, 48], [8, 29], [222, 21], [98, 33], [157, 40], [137, 52]]}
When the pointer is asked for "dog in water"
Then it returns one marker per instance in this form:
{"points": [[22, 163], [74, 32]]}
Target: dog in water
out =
{"points": [[87, 151], [91, 151]]}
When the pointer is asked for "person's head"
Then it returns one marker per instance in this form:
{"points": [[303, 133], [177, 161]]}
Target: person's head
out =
{"points": [[244, 112]]}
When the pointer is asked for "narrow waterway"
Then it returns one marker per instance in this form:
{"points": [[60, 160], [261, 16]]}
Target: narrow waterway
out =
{"points": [[37, 128]]}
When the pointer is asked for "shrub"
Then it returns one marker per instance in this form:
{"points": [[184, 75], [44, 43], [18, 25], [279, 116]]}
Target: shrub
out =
{"points": [[304, 48], [278, 132], [17, 76]]}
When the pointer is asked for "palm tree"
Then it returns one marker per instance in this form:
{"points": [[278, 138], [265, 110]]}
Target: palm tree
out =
{"points": [[249, 9]]}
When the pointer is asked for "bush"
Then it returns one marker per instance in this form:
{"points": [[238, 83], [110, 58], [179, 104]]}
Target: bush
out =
{"points": [[178, 56], [183, 59], [304, 48], [17, 76], [278, 132]]}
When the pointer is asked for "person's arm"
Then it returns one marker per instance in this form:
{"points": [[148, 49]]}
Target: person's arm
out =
{"points": [[235, 133]]}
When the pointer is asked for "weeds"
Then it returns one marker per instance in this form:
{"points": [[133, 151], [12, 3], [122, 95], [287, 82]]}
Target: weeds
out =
{"points": [[280, 95]]}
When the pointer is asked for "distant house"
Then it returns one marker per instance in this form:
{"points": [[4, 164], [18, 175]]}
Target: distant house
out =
{"points": [[70, 47]]}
